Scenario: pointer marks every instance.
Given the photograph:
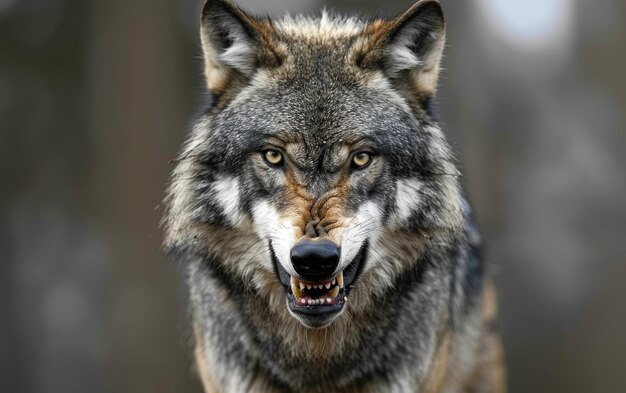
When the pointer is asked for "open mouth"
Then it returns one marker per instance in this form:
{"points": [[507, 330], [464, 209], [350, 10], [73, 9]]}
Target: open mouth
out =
{"points": [[316, 301]]}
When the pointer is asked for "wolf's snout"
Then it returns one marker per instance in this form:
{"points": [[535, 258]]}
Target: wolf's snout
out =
{"points": [[315, 260]]}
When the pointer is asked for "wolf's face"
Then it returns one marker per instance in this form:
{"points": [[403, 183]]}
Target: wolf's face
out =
{"points": [[318, 149]]}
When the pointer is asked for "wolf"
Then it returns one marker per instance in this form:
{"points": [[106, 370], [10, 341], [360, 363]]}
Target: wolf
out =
{"points": [[317, 211]]}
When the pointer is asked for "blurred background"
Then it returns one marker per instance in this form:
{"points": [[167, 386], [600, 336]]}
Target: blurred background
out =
{"points": [[95, 97]]}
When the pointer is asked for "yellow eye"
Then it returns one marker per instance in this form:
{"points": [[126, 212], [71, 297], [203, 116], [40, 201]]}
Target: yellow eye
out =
{"points": [[361, 159], [273, 157]]}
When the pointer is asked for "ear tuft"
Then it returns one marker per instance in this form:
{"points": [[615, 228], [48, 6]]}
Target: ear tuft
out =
{"points": [[410, 46], [229, 42]]}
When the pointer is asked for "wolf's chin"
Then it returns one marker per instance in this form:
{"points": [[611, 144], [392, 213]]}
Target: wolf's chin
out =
{"points": [[316, 304]]}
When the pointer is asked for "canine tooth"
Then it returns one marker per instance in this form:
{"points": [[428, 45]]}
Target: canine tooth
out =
{"points": [[327, 285], [294, 288], [334, 280], [334, 292], [301, 284], [340, 279]]}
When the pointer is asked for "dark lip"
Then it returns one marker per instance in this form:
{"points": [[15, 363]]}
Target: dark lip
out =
{"points": [[350, 275], [317, 310]]}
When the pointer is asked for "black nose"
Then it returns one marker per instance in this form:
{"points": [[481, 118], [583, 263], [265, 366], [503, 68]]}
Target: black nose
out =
{"points": [[315, 260]]}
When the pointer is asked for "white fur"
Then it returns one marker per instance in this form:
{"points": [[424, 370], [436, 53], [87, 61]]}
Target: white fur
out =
{"points": [[227, 195], [407, 201], [401, 57], [269, 225], [240, 55], [325, 27], [365, 225]]}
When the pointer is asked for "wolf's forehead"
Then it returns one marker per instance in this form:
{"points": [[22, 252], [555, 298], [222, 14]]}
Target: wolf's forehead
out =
{"points": [[317, 112], [326, 28], [322, 45]]}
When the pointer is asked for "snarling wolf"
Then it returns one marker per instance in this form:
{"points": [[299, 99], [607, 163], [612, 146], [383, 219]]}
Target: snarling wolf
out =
{"points": [[317, 211]]}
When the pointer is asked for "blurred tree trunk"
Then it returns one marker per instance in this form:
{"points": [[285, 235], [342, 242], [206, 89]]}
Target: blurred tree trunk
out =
{"points": [[138, 121]]}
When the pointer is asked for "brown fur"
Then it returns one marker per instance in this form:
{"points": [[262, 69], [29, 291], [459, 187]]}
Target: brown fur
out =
{"points": [[489, 374], [201, 366], [436, 377]]}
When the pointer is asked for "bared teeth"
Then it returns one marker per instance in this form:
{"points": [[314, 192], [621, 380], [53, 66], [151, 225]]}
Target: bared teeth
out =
{"points": [[303, 298], [294, 288]]}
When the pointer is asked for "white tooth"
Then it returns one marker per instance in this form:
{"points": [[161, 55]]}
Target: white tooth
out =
{"points": [[327, 285], [334, 280], [311, 302], [308, 286], [301, 284], [329, 300], [320, 286]]}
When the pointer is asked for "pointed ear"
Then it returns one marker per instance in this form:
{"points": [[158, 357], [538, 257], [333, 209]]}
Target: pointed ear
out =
{"points": [[409, 47], [234, 44]]}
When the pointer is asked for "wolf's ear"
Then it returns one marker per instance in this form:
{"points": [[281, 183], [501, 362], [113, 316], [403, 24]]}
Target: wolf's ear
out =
{"points": [[409, 46], [234, 44]]}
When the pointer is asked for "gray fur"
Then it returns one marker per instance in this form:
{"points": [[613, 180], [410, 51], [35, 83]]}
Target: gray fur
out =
{"points": [[321, 89]]}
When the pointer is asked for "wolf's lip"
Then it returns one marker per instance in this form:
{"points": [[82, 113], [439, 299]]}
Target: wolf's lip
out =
{"points": [[320, 297]]}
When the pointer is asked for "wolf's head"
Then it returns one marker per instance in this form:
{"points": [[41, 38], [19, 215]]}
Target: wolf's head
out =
{"points": [[318, 167]]}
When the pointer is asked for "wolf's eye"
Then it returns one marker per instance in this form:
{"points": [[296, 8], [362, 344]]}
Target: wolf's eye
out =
{"points": [[361, 160], [273, 157]]}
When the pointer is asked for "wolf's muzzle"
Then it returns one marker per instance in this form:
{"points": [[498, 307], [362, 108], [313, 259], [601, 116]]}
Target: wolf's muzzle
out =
{"points": [[315, 260], [317, 302]]}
